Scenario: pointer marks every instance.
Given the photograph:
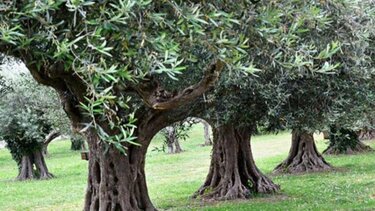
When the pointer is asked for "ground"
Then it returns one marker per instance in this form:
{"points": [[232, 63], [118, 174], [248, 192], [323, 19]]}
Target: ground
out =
{"points": [[172, 179]]}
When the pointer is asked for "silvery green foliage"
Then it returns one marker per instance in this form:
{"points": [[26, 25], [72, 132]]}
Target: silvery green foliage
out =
{"points": [[298, 60], [112, 43], [23, 123], [310, 63], [28, 112]]}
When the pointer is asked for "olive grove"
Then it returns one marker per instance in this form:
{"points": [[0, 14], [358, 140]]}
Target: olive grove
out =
{"points": [[126, 69]]}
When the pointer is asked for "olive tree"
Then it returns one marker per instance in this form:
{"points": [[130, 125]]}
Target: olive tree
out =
{"points": [[26, 128], [176, 132], [318, 55], [104, 59], [357, 124], [344, 141]]}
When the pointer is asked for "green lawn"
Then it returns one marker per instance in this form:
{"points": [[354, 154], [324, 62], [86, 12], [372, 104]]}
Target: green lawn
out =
{"points": [[173, 178]]}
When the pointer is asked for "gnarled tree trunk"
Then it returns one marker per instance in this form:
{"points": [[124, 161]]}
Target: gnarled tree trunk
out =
{"points": [[345, 141], [233, 173], [303, 155], [33, 166], [116, 181]]}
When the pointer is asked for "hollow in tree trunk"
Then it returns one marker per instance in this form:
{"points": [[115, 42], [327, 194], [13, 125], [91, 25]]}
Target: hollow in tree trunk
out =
{"points": [[233, 173], [116, 181], [303, 155], [345, 141], [207, 135], [33, 166]]}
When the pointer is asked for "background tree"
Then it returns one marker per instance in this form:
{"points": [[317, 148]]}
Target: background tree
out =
{"points": [[367, 134], [78, 142], [345, 141], [207, 133], [25, 127], [236, 108], [176, 132], [180, 131], [353, 124], [316, 72]]}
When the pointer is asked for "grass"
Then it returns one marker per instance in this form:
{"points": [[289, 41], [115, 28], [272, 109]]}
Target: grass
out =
{"points": [[173, 178]]}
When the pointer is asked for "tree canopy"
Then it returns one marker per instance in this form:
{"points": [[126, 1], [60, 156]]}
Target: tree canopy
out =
{"points": [[304, 74]]}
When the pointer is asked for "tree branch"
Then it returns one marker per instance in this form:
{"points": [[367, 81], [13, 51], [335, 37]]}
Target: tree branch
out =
{"points": [[159, 99], [50, 137]]}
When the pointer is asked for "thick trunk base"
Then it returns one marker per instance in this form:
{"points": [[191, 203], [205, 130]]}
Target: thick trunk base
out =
{"points": [[303, 156], [233, 173], [358, 148], [116, 182], [345, 141], [33, 167]]}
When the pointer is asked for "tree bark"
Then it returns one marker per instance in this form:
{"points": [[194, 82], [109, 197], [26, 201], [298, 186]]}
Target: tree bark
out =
{"points": [[34, 167], [116, 181], [345, 141], [207, 134], [303, 155], [233, 173]]}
